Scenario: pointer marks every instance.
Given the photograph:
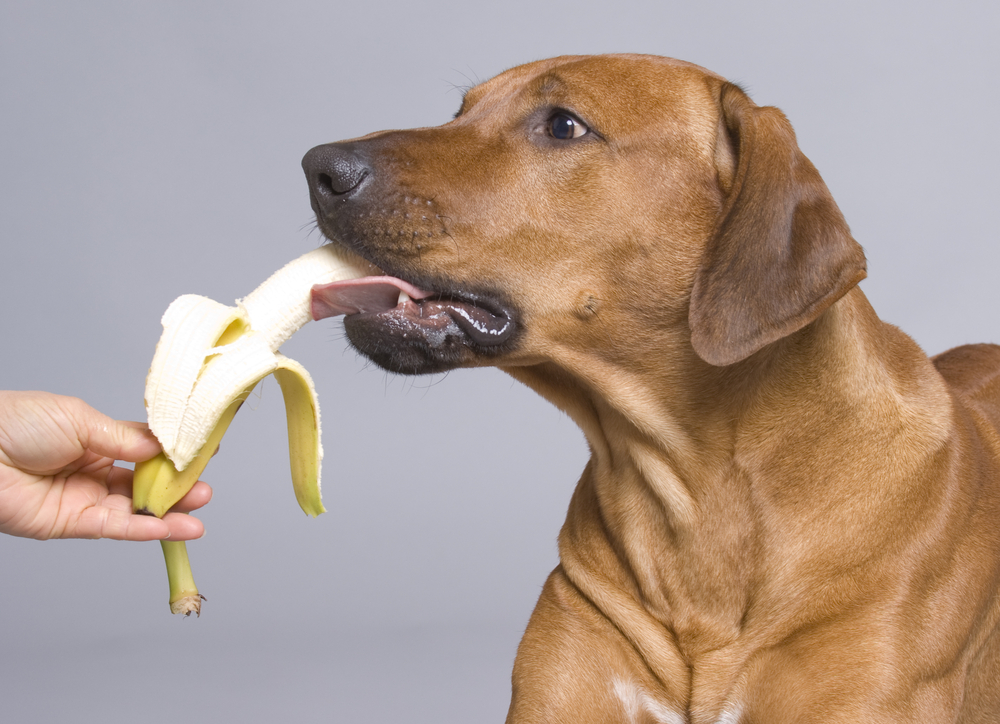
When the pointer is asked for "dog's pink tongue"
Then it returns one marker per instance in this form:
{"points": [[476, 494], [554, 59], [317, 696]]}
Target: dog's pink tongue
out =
{"points": [[367, 294]]}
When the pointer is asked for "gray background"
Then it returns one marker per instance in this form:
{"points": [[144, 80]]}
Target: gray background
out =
{"points": [[149, 149]]}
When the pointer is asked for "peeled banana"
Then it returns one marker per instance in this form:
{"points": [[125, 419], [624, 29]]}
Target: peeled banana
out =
{"points": [[208, 359]]}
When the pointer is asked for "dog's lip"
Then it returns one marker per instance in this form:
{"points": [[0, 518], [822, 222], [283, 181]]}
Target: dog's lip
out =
{"points": [[404, 303]]}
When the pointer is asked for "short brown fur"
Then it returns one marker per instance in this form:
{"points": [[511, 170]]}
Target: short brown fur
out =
{"points": [[790, 514]]}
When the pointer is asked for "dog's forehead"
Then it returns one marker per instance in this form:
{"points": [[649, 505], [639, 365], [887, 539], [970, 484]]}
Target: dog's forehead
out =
{"points": [[623, 87]]}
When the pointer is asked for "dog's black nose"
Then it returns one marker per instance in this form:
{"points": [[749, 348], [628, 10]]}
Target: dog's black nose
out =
{"points": [[334, 171]]}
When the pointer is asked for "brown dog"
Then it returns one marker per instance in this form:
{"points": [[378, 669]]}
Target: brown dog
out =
{"points": [[790, 513]]}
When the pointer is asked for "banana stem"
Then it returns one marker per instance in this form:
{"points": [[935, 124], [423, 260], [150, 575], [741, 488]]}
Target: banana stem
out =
{"points": [[156, 487], [184, 596]]}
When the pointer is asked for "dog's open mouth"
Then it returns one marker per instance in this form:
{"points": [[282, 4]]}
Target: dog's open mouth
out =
{"points": [[423, 326], [405, 309]]}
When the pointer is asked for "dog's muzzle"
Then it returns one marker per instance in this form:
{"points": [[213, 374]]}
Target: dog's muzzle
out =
{"points": [[406, 321]]}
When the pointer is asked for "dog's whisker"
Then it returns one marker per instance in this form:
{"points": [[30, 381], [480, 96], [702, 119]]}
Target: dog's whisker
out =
{"points": [[312, 224]]}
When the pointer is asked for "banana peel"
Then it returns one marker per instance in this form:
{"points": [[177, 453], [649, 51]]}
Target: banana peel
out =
{"points": [[209, 357]]}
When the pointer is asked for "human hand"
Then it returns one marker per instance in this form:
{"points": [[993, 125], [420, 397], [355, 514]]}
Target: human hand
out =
{"points": [[58, 478]]}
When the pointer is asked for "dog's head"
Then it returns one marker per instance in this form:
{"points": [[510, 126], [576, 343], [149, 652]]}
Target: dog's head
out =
{"points": [[585, 203]]}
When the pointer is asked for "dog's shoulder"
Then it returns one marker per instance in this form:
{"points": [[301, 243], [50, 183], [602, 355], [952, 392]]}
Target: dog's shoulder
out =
{"points": [[973, 372]]}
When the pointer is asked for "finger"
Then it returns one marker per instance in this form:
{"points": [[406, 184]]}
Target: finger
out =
{"points": [[134, 424], [122, 441], [112, 438], [196, 497], [173, 526], [123, 525], [116, 524], [119, 482], [183, 527]]}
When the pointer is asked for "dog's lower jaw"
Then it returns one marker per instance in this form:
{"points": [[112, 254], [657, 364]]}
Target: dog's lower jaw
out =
{"points": [[396, 343], [404, 351]]}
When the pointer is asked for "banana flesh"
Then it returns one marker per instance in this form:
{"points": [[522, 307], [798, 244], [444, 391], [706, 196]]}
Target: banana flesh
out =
{"points": [[209, 358]]}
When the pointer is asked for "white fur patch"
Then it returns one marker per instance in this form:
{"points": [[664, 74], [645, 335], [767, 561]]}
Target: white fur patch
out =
{"points": [[637, 701], [731, 715], [639, 704]]}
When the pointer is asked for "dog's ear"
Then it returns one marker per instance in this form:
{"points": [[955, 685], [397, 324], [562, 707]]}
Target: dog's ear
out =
{"points": [[782, 252]]}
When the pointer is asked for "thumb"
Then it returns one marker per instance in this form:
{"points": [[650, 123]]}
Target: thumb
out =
{"points": [[129, 441]]}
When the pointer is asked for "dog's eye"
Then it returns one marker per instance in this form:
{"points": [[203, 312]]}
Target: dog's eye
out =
{"points": [[564, 127]]}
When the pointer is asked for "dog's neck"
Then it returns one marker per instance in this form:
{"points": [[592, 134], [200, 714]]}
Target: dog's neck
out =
{"points": [[693, 526]]}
